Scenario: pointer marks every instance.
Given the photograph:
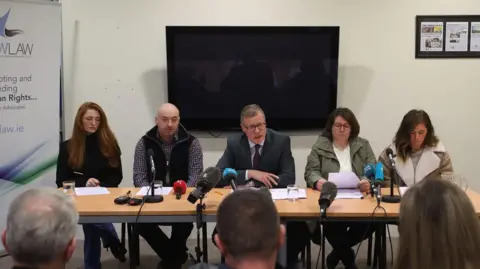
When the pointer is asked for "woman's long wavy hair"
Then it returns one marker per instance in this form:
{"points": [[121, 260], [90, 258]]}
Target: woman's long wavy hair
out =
{"points": [[438, 227], [106, 138], [409, 122]]}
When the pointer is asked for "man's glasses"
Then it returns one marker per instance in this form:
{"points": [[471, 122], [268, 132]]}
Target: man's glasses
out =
{"points": [[253, 127]]}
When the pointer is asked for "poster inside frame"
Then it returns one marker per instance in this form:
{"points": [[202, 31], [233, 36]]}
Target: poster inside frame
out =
{"points": [[447, 36]]}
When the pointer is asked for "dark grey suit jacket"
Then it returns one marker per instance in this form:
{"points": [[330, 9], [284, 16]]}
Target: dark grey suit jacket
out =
{"points": [[276, 158]]}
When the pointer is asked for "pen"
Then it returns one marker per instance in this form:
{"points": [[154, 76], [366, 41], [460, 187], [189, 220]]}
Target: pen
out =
{"points": [[219, 193]]}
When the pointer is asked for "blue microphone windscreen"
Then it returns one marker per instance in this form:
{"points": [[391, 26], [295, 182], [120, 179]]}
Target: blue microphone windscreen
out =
{"points": [[229, 171], [369, 171], [379, 171]]}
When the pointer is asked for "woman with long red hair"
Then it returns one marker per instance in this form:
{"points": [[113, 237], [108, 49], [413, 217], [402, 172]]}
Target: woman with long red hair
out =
{"points": [[91, 157]]}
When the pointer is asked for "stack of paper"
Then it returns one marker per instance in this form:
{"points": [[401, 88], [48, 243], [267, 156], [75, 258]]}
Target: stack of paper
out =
{"points": [[82, 191], [347, 184], [282, 194], [349, 194], [403, 190], [165, 191]]}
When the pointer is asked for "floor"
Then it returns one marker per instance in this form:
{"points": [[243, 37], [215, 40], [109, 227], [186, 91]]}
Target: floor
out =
{"points": [[150, 260]]}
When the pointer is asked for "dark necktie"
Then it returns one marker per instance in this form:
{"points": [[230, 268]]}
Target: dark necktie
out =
{"points": [[256, 157]]}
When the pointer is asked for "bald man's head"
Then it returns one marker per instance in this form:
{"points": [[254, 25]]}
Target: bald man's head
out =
{"points": [[168, 109], [167, 120]]}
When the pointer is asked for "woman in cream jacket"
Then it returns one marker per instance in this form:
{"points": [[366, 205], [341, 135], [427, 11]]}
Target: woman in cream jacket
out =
{"points": [[418, 153]]}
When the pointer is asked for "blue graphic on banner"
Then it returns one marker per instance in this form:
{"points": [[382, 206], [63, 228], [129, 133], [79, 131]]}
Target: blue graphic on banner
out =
{"points": [[3, 27]]}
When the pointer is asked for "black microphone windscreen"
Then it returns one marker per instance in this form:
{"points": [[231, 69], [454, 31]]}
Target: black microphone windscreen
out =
{"points": [[389, 151], [150, 152], [210, 177], [330, 189]]}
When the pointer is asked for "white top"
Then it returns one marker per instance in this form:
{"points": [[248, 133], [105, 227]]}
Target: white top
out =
{"points": [[344, 158]]}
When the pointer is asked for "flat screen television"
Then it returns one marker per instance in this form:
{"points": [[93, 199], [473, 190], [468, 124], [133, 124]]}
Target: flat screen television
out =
{"points": [[214, 71]]}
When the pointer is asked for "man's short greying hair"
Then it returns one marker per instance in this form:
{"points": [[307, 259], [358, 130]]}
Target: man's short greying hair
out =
{"points": [[40, 225], [250, 111], [248, 224]]}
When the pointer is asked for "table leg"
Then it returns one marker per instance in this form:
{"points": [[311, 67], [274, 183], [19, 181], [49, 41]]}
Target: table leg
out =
{"points": [[131, 246], [383, 259], [204, 242], [378, 244], [323, 247]]}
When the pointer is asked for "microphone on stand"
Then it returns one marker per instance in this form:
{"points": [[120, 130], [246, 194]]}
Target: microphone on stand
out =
{"points": [[391, 198], [369, 172], [152, 198], [208, 180], [179, 187], [230, 175], [327, 195], [379, 179]]}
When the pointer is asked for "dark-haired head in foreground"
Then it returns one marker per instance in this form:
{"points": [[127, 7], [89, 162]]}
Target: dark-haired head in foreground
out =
{"points": [[249, 230]]}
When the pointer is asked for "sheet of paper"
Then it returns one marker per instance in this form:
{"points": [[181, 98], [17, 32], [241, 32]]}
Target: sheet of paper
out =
{"points": [[403, 190], [344, 180], [83, 191], [165, 191], [475, 36], [282, 194], [431, 36], [349, 194], [456, 38]]}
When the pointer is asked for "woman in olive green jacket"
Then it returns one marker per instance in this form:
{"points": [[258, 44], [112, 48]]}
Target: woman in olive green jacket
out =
{"points": [[339, 149]]}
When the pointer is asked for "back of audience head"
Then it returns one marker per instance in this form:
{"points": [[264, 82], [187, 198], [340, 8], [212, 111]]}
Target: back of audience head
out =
{"points": [[249, 227], [41, 228], [438, 227]]}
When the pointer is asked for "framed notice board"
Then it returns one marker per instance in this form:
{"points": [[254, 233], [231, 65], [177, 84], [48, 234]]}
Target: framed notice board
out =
{"points": [[447, 36]]}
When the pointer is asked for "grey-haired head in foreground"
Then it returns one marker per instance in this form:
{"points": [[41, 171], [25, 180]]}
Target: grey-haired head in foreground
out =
{"points": [[41, 228]]}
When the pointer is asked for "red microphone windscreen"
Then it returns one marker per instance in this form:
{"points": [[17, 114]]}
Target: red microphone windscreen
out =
{"points": [[180, 186]]}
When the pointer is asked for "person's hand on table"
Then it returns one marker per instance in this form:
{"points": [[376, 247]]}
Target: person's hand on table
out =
{"points": [[319, 184], [93, 182], [268, 179], [364, 185]]}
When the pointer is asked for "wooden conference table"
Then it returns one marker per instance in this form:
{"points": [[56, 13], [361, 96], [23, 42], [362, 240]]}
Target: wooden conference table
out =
{"points": [[101, 209]]}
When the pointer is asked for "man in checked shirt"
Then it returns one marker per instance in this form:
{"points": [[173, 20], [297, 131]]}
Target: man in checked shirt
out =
{"points": [[178, 156]]}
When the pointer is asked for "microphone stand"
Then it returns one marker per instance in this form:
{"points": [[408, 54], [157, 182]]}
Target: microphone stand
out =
{"points": [[323, 215], [200, 225], [153, 198], [392, 199], [372, 188]]}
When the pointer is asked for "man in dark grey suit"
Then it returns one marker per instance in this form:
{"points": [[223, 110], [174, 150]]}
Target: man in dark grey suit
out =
{"points": [[263, 157]]}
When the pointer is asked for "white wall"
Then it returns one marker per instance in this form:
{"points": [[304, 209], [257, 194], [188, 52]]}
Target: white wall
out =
{"points": [[114, 54]]}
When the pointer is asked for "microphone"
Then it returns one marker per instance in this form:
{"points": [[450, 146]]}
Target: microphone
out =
{"points": [[179, 187], [391, 157], [208, 180], [150, 157], [152, 198], [379, 179], [230, 175], [327, 195], [391, 198], [369, 172]]}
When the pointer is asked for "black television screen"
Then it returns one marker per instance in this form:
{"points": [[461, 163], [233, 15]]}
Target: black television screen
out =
{"points": [[214, 71]]}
